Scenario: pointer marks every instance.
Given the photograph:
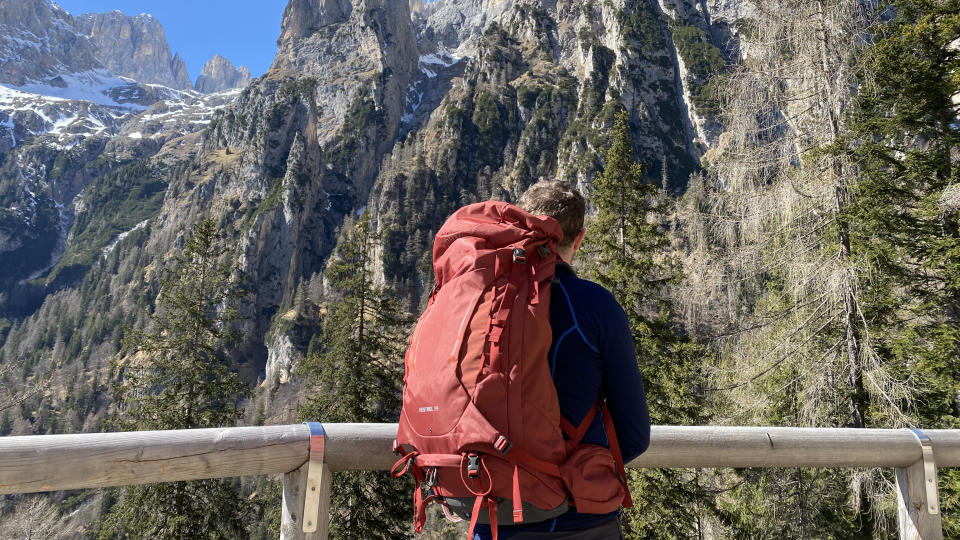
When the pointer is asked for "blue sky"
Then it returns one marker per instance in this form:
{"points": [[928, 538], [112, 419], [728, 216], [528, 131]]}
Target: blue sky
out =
{"points": [[244, 31]]}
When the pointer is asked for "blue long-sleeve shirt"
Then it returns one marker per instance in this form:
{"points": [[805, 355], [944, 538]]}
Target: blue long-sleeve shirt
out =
{"points": [[592, 354]]}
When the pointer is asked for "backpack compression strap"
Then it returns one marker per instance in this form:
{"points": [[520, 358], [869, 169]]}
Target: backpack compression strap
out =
{"points": [[576, 433], [617, 456]]}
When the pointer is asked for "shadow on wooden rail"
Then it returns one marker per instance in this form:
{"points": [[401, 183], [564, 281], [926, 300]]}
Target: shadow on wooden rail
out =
{"points": [[307, 454]]}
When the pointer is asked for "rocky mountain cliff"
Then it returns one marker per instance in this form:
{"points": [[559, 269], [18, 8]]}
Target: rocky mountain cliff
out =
{"points": [[134, 47], [39, 41], [218, 74], [405, 109]]}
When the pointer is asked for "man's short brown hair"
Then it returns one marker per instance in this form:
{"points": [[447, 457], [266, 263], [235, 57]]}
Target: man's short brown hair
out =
{"points": [[559, 200]]}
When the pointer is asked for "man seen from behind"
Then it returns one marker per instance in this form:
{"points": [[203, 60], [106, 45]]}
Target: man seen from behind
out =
{"points": [[592, 356]]}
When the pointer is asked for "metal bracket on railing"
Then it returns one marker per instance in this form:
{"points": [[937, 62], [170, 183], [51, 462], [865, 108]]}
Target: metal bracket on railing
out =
{"points": [[311, 499], [929, 471]]}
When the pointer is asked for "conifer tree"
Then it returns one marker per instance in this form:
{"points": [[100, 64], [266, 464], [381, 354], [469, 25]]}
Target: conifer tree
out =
{"points": [[905, 222], [356, 371], [630, 256], [176, 375]]}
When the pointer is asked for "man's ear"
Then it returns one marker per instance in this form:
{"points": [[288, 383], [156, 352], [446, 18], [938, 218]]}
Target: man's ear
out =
{"points": [[579, 240]]}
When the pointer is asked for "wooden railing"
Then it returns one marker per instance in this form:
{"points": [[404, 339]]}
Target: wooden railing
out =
{"points": [[306, 455]]}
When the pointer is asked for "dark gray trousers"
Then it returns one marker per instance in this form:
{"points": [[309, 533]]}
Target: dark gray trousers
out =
{"points": [[605, 531]]}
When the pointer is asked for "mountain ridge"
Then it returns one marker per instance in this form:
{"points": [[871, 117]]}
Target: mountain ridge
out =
{"points": [[61, 106]]}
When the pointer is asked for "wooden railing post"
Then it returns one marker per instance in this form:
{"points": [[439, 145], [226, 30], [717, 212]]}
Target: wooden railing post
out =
{"points": [[918, 506], [294, 497], [306, 493]]}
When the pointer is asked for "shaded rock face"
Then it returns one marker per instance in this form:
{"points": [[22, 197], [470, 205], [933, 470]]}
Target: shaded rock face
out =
{"points": [[38, 41], [302, 18], [359, 48], [134, 47], [179, 67], [454, 23], [218, 74]]}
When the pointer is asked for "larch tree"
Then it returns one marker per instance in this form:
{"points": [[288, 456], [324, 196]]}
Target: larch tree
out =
{"points": [[176, 375], [356, 373], [772, 277]]}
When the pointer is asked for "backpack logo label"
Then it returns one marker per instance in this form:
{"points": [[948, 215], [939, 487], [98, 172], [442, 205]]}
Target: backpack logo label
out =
{"points": [[434, 408]]}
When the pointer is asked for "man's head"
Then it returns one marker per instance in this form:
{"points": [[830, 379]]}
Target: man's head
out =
{"points": [[562, 202]]}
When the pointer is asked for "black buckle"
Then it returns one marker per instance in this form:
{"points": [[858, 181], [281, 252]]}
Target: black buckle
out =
{"points": [[503, 445], [543, 251], [519, 256], [473, 466]]}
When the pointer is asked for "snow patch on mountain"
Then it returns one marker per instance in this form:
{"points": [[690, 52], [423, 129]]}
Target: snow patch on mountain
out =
{"points": [[435, 69], [173, 118], [113, 243], [100, 87], [74, 106]]}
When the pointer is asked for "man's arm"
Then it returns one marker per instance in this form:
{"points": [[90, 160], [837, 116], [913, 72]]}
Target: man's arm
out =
{"points": [[623, 386]]}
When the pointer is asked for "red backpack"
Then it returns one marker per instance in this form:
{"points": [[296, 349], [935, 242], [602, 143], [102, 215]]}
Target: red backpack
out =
{"points": [[480, 426]]}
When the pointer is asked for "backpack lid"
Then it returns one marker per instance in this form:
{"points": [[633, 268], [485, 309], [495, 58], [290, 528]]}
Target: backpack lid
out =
{"points": [[485, 226]]}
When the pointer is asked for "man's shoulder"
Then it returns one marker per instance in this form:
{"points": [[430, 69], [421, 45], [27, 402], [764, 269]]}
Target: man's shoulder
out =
{"points": [[588, 296]]}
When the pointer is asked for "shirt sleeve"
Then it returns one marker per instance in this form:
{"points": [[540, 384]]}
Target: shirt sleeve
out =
{"points": [[623, 385]]}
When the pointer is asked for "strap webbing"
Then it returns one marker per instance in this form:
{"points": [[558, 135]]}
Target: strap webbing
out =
{"points": [[576, 433], [439, 460], [420, 508], [474, 514], [519, 456], [517, 500], [617, 456], [492, 511]]}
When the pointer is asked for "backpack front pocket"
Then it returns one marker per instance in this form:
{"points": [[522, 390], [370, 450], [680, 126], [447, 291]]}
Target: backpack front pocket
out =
{"points": [[590, 473]]}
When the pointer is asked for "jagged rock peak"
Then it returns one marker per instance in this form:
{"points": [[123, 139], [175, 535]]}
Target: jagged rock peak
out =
{"points": [[135, 47], [347, 45], [426, 7], [179, 68], [38, 41], [302, 18], [218, 74], [310, 26]]}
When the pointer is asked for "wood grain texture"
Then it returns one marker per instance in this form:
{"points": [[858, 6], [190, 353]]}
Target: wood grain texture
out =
{"points": [[916, 523], [58, 462], [712, 447], [294, 496], [360, 446]]}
